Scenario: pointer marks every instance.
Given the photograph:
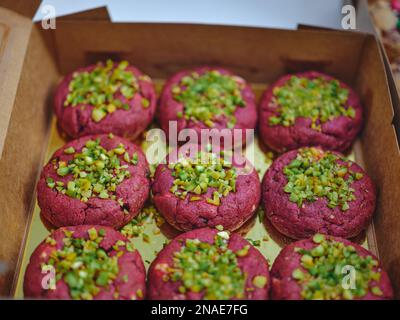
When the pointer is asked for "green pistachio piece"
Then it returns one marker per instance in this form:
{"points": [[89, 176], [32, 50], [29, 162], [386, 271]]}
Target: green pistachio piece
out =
{"points": [[98, 114], [145, 103], [298, 274], [318, 238], [50, 183], [69, 150], [62, 171], [376, 291], [260, 281]]}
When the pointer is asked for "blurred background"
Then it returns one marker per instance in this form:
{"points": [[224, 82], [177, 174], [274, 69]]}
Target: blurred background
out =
{"points": [[286, 14], [257, 13]]}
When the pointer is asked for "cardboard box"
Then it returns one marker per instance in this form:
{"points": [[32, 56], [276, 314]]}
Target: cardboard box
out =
{"points": [[365, 24], [32, 61]]}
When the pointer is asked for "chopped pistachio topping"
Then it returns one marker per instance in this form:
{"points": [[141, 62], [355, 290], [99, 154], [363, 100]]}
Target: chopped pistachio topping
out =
{"points": [[135, 228], [318, 99], [207, 170], [243, 252], [208, 268], [255, 243], [317, 174], [84, 265], [209, 96], [96, 172], [102, 88], [321, 273]]}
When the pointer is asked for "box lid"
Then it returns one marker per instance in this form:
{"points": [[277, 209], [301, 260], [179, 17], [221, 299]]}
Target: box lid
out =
{"points": [[15, 30], [23, 7], [100, 13], [365, 24]]}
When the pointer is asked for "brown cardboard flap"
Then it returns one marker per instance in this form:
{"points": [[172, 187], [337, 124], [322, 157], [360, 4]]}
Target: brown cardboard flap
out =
{"points": [[26, 8], [26, 135], [365, 24], [100, 13], [302, 26], [223, 45], [14, 37], [394, 94], [381, 155]]}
